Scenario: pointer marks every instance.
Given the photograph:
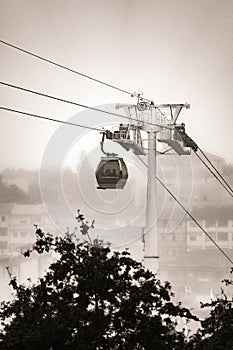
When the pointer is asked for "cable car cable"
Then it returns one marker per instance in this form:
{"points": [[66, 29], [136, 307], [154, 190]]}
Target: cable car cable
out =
{"points": [[172, 195], [134, 94], [190, 143], [211, 171], [59, 99], [190, 215], [48, 118], [74, 103], [219, 174], [66, 68]]}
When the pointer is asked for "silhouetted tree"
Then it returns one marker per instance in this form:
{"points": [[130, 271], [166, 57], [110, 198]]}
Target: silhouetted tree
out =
{"points": [[216, 332], [90, 298]]}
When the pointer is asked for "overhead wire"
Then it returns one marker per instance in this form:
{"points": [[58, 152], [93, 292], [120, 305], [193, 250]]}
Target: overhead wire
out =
{"points": [[190, 215], [59, 99], [228, 188], [225, 185], [163, 185], [62, 66], [38, 93], [48, 118], [132, 94], [66, 68], [216, 170], [211, 171], [188, 142]]}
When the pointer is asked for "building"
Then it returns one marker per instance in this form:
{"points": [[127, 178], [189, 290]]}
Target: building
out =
{"points": [[5, 210], [17, 233]]}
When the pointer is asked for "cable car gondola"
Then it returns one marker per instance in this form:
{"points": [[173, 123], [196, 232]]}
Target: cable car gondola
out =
{"points": [[111, 173]]}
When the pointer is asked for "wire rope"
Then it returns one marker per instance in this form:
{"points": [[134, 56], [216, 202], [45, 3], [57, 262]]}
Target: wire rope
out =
{"points": [[219, 174], [66, 68], [211, 171], [47, 118], [172, 195], [38, 93], [190, 215]]}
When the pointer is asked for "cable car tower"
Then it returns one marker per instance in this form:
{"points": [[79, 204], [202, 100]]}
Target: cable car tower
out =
{"points": [[160, 123]]}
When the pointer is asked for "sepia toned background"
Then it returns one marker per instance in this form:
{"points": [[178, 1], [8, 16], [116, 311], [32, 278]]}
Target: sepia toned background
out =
{"points": [[174, 51]]}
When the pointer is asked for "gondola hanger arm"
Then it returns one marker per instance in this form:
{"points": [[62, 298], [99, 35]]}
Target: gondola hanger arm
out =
{"points": [[102, 146]]}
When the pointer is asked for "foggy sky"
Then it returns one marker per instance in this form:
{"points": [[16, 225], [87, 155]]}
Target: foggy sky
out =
{"points": [[173, 50]]}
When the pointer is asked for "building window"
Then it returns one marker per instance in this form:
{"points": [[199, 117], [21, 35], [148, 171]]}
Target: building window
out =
{"points": [[179, 237], [23, 221], [3, 218], [35, 220], [223, 236], [193, 238], [223, 223], [3, 245], [210, 223], [169, 237], [23, 234], [3, 231], [15, 234]]}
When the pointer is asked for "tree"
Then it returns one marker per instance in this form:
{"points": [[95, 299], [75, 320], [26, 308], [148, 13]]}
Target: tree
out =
{"points": [[90, 298], [216, 331], [12, 193]]}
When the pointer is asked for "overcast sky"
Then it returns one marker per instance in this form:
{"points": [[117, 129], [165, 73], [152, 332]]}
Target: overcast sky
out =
{"points": [[175, 51]]}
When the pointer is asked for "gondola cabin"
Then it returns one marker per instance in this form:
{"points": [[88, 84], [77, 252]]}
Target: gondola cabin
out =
{"points": [[111, 173]]}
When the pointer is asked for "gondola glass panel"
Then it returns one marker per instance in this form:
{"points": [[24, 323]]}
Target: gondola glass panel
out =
{"points": [[111, 173]]}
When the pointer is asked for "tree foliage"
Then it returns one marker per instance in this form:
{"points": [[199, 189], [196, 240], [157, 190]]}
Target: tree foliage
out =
{"points": [[216, 332], [12, 193], [90, 298]]}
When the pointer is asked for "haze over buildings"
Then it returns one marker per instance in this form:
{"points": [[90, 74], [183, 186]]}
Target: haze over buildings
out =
{"points": [[188, 258]]}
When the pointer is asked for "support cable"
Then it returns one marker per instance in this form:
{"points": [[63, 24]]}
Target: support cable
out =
{"points": [[219, 174], [190, 215], [59, 99], [66, 68], [211, 171], [190, 143], [171, 194], [132, 94], [38, 93], [48, 118]]}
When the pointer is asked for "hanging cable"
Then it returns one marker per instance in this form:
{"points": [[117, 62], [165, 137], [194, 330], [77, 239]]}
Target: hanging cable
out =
{"points": [[190, 215], [59, 99], [211, 171], [66, 68], [172, 195], [190, 143], [48, 118], [74, 103], [216, 170], [132, 94]]}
